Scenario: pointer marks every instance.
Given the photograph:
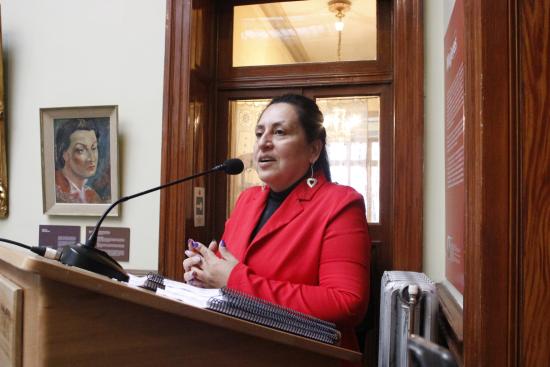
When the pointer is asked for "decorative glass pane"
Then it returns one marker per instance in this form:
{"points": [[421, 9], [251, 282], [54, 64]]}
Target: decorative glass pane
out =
{"points": [[353, 135], [244, 115], [303, 32]]}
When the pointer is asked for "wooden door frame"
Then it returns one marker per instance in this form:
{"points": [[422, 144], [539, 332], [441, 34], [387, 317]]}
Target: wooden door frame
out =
{"points": [[408, 99], [304, 74], [408, 79], [175, 133], [533, 234], [491, 154]]}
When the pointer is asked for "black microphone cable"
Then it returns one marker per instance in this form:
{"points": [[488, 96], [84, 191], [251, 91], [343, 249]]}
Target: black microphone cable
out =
{"points": [[47, 252]]}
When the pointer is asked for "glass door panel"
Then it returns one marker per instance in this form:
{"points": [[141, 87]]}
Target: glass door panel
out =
{"points": [[353, 144], [243, 116]]}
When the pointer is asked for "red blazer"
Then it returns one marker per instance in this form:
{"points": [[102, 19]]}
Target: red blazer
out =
{"points": [[312, 255]]}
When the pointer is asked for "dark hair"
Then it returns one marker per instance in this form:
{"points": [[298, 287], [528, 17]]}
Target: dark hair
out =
{"points": [[311, 119], [63, 136]]}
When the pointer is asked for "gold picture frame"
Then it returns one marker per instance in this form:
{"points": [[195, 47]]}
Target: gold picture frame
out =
{"points": [[79, 160]]}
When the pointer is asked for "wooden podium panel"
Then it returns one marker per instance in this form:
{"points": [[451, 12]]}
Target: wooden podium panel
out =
{"points": [[74, 317], [11, 321]]}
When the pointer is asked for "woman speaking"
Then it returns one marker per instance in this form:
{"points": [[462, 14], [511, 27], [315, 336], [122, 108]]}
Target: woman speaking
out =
{"points": [[300, 241]]}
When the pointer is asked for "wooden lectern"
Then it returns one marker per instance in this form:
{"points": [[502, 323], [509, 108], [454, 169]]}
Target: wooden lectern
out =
{"points": [[56, 315]]}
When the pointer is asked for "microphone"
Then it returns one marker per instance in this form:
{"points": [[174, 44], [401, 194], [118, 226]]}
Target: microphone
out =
{"points": [[88, 257], [232, 166]]}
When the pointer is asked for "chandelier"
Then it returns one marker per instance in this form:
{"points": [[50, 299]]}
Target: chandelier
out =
{"points": [[339, 7]]}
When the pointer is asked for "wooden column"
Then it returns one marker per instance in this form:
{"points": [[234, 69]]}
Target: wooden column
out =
{"points": [[491, 156], [175, 135], [534, 183], [409, 135]]}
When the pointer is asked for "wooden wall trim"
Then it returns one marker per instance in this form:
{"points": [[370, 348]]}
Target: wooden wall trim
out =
{"points": [[534, 69], [174, 132], [409, 135], [491, 99], [301, 80], [451, 309], [472, 137]]}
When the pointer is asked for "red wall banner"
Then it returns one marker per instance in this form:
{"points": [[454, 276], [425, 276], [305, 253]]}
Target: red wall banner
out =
{"points": [[454, 147]]}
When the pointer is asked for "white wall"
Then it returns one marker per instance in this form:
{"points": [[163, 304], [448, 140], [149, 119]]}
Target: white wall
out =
{"points": [[448, 6], [82, 53], [434, 140]]}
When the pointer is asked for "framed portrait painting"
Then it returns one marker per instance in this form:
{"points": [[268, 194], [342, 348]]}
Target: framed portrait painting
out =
{"points": [[79, 160]]}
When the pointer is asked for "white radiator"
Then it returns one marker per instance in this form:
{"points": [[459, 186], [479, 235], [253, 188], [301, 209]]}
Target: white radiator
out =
{"points": [[408, 305]]}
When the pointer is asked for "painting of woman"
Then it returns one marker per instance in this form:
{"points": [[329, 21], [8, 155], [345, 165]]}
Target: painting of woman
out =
{"points": [[77, 161]]}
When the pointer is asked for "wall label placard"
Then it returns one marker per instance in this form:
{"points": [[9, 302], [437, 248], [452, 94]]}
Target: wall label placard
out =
{"points": [[56, 236], [113, 240]]}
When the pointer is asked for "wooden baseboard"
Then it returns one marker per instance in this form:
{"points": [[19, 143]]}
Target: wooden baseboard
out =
{"points": [[450, 322]]}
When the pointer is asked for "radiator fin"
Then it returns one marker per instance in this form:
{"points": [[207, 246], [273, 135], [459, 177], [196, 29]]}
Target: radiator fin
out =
{"points": [[396, 311]]}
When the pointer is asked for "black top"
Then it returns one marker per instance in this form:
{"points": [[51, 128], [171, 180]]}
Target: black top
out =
{"points": [[274, 201]]}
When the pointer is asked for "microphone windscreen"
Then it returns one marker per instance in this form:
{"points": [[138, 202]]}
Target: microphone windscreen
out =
{"points": [[233, 166]]}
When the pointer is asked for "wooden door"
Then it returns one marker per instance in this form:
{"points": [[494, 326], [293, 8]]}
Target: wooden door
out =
{"points": [[380, 228]]}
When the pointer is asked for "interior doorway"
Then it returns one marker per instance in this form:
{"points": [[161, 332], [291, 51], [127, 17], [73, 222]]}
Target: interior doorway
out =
{"points": [[201, 82]]}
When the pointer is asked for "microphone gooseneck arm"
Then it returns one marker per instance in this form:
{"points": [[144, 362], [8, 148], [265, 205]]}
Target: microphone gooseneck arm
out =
{"points": [[92, 240]]}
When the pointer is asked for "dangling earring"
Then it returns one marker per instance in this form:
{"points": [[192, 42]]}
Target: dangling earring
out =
{"points": [[312, 181], [263, 186]]}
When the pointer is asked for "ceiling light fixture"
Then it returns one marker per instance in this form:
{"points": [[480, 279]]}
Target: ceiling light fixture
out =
{"points": [[339, 7]]}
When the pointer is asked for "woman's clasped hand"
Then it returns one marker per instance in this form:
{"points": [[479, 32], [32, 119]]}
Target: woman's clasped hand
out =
{"points": [[208, 267]]}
